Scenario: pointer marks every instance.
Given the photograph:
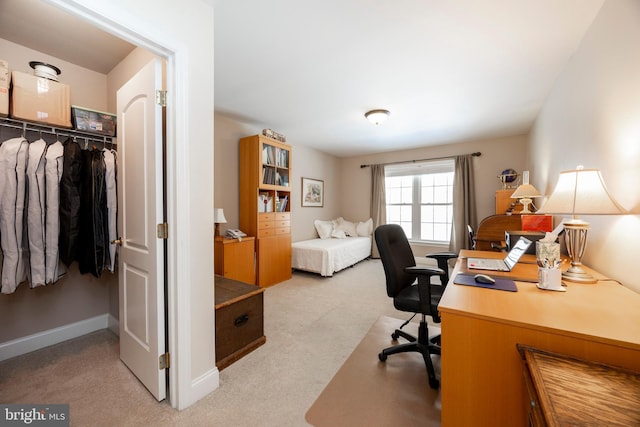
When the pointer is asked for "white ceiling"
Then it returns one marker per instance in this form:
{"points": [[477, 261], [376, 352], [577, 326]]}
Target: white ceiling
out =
{"points": [[448, 70], [40, 26]]}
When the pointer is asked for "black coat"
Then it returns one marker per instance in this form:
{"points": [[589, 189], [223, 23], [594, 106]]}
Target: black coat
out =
{"points": [[70, 190], [93, 244]]}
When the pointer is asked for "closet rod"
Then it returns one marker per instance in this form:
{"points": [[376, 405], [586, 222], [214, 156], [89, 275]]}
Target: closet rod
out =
{"points": [[476, 154], [52, 130]]}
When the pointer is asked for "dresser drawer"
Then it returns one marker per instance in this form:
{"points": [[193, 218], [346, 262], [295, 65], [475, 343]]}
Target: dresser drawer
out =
{"points": [[282, 230], [283, 223], [239, 325], [267, 232], [266, 217], [263, 225], [283, 216]]}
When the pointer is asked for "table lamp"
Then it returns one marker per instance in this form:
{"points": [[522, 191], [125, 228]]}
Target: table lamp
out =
{"points": [[525, 192], [218, 218], [580, 192]]}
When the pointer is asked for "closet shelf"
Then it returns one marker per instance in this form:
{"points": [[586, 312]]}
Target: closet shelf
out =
{"points": [[53, 130]]}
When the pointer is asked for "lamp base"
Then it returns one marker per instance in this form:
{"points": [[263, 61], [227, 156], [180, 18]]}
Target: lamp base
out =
{"points": [[525, 201], [576, 241], [576, 274], [217, 230]]}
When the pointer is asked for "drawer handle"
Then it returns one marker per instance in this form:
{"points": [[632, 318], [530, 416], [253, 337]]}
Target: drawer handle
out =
{"points": [[241, 320]]}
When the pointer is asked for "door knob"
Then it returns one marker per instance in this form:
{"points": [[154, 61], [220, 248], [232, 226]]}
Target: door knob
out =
{"points": [[118, 241]]}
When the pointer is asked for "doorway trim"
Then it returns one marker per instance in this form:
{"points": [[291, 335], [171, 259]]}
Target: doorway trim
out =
{"points": [[190, 323]]}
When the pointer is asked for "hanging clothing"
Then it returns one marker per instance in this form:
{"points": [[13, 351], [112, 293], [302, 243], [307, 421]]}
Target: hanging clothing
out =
{"points": [[36, 193], [54, 157], [93, 247], [70, 190], [13, 165], [110, 161]]}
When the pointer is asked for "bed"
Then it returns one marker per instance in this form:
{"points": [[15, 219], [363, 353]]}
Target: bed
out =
{"points": [[340, 244], [327, 256]]}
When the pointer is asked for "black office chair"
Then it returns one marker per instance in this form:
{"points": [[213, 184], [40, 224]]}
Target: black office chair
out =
{"points": [[401, 273], [472, 237]]}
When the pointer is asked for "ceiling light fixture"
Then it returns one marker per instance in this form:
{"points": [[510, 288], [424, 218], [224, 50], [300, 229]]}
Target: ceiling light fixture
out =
{"points": [[377, 116]]}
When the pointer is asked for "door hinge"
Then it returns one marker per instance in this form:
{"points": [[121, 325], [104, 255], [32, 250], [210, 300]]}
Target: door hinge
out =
{"points": [[164, 361], [163, 231], [161, 98]]}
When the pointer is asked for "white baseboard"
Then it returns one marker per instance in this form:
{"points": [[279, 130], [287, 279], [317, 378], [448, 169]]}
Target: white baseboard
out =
{"points": [[44, 339], [114, 325]]}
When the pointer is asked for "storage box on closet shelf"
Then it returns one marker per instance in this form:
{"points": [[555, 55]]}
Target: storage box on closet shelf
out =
{"points": [[93, 121], [40, 98]]}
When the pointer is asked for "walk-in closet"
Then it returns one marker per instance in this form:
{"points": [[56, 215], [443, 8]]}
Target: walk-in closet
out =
{"points": [[172, 42], [78, 293]]}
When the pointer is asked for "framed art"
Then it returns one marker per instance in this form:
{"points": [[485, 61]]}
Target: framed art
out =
{"points": [[312, 192]]}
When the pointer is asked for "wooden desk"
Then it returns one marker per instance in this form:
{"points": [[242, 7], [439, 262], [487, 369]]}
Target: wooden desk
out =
{"points": [[492, 228], [482, 382]]}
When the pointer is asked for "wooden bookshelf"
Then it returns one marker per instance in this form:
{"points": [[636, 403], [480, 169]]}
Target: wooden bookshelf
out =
{"points": [[265, 205]]}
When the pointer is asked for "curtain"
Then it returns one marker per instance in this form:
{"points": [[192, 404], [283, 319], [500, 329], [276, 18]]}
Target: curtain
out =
{"points": [[378, 203], [464, 203]]}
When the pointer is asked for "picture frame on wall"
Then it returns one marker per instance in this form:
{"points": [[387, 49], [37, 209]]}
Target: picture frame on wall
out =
{"points": [[312, 192]]}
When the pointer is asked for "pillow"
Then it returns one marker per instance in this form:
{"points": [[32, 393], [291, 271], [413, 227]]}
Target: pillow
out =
{"points": [[324, 228], [348, 227], [338, 234], [365, 229]]}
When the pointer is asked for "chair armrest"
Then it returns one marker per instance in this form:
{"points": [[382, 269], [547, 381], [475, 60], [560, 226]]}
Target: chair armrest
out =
{"points": [[424, 271], [442, 255], [424, 288]]}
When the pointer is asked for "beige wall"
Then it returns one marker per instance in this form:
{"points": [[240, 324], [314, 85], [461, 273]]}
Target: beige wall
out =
{"points": [[497, 155], [347, 186], [306, 162], [75, 297], [592, 118], [88, 88]]}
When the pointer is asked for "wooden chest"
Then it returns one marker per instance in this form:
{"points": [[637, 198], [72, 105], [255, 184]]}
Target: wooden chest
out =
{"points": [[239, 320]]}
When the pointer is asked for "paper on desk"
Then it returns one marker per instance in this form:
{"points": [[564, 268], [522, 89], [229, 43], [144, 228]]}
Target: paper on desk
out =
{"points": [[551, 237]]}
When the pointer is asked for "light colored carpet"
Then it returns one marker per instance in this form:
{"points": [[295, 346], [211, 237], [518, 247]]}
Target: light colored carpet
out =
{"points": [[312, 325]]}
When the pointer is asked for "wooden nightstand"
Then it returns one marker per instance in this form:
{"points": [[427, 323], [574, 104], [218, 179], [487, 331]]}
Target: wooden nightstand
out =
{"points": [[235, 259]]}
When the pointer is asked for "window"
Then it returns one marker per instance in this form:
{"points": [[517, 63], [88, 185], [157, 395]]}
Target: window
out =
{"points": [[420, 199]]}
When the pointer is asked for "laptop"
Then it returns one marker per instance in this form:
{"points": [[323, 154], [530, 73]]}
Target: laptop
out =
{"points": [[505, 264]]}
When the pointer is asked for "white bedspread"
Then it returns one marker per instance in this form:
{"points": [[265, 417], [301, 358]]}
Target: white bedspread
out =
{"points": [[327, 256]]}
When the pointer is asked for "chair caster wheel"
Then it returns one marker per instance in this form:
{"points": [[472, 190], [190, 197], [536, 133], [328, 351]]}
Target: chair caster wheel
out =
{"points": [[395, 336], [382, 357]]}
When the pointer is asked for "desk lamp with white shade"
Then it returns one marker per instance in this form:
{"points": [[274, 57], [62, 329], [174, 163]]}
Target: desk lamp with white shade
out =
{"points": [[525, 193], [580, 192], [218, 218]]}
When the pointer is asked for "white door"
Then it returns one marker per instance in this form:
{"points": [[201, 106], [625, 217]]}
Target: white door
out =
{"points": [[140, 202]]}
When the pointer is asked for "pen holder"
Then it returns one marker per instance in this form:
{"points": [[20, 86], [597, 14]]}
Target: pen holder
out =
{"points": [[550, 279], [548, 251]]}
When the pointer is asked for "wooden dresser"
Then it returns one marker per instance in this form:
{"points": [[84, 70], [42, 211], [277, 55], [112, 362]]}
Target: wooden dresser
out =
{"points": [[564, 390], [239, 320]]}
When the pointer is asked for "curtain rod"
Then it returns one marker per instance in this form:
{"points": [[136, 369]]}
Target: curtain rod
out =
{"points": [[476, 154]]}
